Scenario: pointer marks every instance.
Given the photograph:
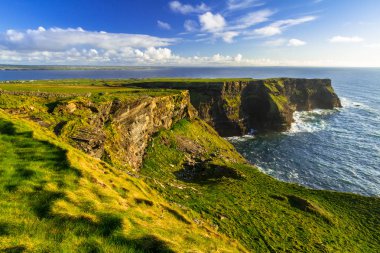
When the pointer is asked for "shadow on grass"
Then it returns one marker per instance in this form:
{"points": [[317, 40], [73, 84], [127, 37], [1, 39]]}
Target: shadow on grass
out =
{"points": [[148, 244], [109, 227], [177, 215], [206, 173], [4, 228], [34, 164], [7, 128], [15, 249]]}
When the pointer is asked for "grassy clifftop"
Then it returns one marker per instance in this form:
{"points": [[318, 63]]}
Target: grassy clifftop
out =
{"points": [[193, 193]]}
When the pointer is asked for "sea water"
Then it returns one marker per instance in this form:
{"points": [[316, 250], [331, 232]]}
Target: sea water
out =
{"points": [[324, 149]]}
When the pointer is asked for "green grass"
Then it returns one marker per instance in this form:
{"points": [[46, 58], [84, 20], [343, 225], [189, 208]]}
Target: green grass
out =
{"points": [[194, 192], [266, 215], [54, 198]]}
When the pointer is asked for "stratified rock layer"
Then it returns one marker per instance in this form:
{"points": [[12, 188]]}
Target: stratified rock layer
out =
{"points": [[119, 131]]}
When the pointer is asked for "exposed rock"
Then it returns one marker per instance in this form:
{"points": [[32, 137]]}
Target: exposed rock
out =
{"points": [[237, 107], [71, 107], [119, 131], [90, 140]]}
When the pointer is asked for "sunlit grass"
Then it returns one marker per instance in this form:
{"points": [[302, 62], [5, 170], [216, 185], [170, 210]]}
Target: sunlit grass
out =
{"points": [[54, 198], [263, 213]]}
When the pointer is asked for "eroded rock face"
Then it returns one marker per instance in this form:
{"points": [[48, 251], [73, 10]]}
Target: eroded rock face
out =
{"points": [[238, 107], [119, 131]]}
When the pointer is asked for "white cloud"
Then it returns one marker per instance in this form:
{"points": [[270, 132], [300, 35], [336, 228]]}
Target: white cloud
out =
{"points": [[217, 25], [343, 39], [234, 5], [277, 27], [58, 39], [14, 36], [212, 22], [77, 46], [275, 43], [373, 45], [268, 31], [190, 25], [155, 54], [228, 36], [163, 25], [177, 6], [296, 43], [238, 58], [252, 18], [292, 22], [160, 56]]}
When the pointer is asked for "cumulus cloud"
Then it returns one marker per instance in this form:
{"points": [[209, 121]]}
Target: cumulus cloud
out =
{"points": [[14, 36], [238, 58], [228, 36], [58, 39], [216, 25], [163, 25], [79, 47], [344, 39], [212, 22], [278, 27], [69, 46], [296, 43], [178, 7], [234, 5]]}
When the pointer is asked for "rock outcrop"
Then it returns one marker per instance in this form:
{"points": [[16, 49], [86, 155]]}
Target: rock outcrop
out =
{"points": [[118, 131], [239, 107]]}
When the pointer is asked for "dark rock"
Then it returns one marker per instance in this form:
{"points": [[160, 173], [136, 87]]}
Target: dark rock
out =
{"points": [[240, 107]]}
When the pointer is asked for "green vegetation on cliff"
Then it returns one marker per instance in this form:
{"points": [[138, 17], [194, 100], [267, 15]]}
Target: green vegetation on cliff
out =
{"points": [[263, 213], [186, 189]]}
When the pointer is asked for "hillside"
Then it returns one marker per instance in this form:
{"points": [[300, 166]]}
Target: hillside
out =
{"points": [[94, 166]]}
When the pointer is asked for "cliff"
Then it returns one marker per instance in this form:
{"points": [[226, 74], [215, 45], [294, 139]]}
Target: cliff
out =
{"points": [[115, 127], [239, 106], [192, 193]]}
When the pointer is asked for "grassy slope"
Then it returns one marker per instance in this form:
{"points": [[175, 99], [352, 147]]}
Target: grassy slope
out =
{"points": [[265, 214], [54, 198]]}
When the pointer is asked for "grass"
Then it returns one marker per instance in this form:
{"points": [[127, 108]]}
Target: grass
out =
{"points": [[54, 198], [193, 193], [266, 215]]}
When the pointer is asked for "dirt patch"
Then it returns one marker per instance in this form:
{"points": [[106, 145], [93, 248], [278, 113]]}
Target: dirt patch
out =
{"points": [[189, 146]]}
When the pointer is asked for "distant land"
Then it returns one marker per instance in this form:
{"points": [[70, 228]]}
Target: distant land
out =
{"points": [[71, 67]]}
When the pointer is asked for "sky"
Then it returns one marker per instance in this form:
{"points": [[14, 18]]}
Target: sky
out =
{"points": [[191, 33]]}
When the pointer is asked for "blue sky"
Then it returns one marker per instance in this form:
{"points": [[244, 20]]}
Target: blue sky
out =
{"points": [[201, 33]]}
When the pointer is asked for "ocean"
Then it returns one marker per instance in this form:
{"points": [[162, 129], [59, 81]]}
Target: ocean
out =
{"points": [[324, 149]]}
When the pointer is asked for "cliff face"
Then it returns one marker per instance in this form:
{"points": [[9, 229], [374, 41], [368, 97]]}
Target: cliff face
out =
{"points": [[117, 124], [119, 131], [238, 107], [115, 127]]}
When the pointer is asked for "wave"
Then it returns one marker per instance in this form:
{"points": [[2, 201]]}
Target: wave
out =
{"points": [[348, 103], [310, 121]]}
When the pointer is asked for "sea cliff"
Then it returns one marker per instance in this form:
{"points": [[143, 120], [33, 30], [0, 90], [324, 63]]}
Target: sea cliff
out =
{"points": [[237, 107], [111, 165]]}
